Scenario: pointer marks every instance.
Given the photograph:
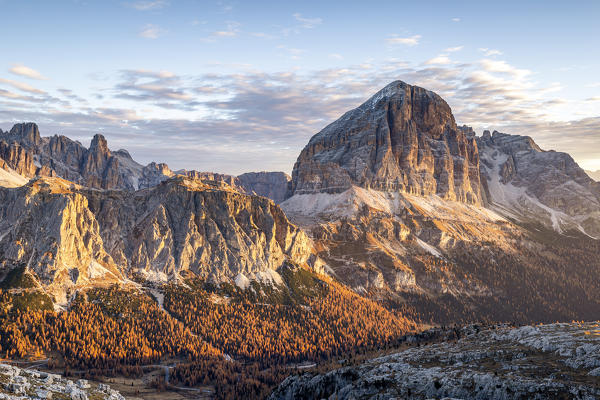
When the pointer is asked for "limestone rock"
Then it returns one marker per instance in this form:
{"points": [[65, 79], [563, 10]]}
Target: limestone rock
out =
{"points": [[273, 185], [24, 151], [495, 363], [402, 139], [524, 180], [69, 235]]}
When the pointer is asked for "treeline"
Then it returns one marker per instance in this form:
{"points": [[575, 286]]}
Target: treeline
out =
{"points": [[337, 323], [239, 342]]}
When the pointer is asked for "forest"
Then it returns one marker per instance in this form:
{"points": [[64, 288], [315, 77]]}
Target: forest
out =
{"points": [[240, 342]]}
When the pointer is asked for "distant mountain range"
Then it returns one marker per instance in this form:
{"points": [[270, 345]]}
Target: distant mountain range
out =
{"points": [[394, 199], [595, 175], [24, 151]]}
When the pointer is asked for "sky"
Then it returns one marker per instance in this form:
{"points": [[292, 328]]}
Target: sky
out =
{"points": [[241, 86]]}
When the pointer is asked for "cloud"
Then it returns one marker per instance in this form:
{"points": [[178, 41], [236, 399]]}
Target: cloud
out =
{"points": [[336, 56], [490, 52], [22, 86], [503, 67], [455, 19], [408, 41], [149, 5], [595, 98], [453, 49], [292, 51], [231, 31], [22, 70], [151, 31], [307, 23], [442, 59]]}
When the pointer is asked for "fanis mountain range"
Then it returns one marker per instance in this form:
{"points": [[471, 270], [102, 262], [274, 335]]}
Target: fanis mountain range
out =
{"points": [[390, 181]]}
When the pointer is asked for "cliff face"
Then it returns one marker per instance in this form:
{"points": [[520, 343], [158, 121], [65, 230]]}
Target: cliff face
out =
{"points": [[524, 181], [69, 235], [26, 152], [402, 139], [273, 185]]}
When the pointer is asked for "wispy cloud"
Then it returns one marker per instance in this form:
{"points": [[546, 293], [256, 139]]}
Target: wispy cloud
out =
{"points": [[233, 28], [22, 70], [151, 31], [442, 59], [455, 19], [149, 5], [453, 49], [22, 86], [292, 51], [408, 41], [301, 23], [336, 56], [490, 52], [307, 23]]}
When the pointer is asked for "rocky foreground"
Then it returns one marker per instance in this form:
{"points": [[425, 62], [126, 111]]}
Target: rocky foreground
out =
{"points": [[17, 383], [558, 361]]}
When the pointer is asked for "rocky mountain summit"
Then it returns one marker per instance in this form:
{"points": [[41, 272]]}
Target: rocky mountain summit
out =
{"points": [[523, 181], [534, 362], [403, 139], [24, 153], [19, 384], [70, 236], [402, 202]]}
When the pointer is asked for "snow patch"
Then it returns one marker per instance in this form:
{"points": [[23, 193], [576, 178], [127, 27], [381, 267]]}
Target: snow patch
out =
{"points": [[241, 281], [429, 248], [11, 179]]}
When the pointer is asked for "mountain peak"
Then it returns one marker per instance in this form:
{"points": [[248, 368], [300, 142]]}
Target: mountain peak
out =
{"points": [[27, 131], [100, 144], [404, 138]]}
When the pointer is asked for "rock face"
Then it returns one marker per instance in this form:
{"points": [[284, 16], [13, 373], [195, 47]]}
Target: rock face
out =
{"points": [[402, 139], [522, 180], [69, 235], [26, 152], [273, 185], [499, 363], [17, 384]]}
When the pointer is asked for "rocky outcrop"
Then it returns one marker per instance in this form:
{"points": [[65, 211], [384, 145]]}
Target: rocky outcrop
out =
{"points": [[402, 139], [17, 383], [524, 181], [498, 363], [69, 235], [273, 185]]}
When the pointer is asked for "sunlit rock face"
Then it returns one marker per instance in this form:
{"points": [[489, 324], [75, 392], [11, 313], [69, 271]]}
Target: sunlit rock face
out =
{"points": [[68, 235], [404, 139]]}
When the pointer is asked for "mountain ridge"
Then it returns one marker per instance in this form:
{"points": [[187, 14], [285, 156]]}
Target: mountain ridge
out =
{"points": [[25, 151]]}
